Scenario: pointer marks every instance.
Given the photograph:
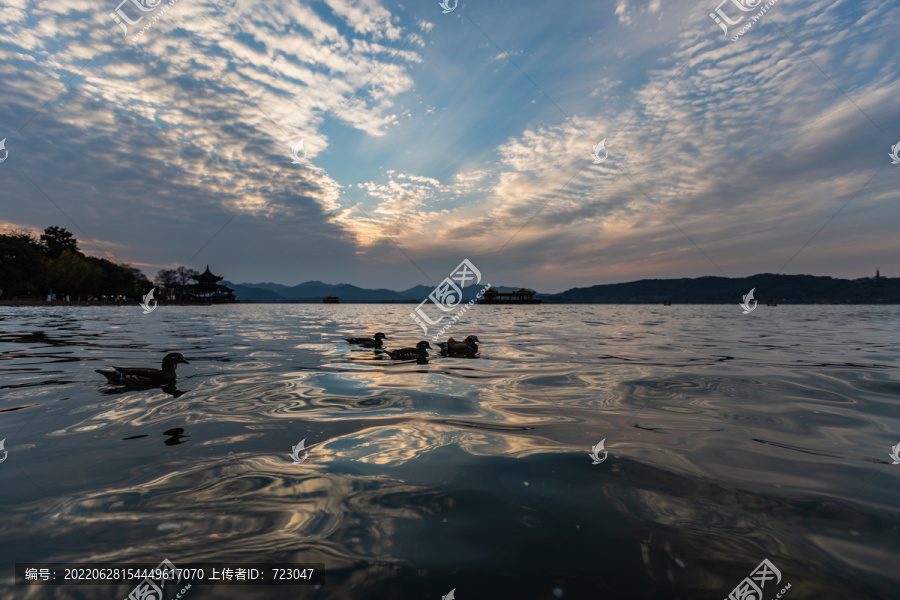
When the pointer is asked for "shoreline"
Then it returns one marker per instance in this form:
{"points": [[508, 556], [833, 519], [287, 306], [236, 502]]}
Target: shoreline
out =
{"points": [[136, 303]]}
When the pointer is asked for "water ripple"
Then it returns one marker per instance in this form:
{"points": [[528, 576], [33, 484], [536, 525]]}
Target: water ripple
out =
{"points": [[729, 440]]}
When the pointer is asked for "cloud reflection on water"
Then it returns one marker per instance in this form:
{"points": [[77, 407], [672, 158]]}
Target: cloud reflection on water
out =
{"points": [[719, 463]]}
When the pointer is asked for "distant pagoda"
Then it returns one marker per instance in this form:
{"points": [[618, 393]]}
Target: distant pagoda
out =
{"points": [[523, 296], [208, 289]]}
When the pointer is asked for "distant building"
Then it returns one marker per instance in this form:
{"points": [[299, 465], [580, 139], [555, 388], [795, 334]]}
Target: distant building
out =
{"points": [[523, 296], [208, 289], [330, 300]]}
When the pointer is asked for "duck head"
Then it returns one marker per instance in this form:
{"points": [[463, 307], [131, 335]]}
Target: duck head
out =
{"points": [[422, 346], [471, 340], [172, 359], [380, 336]]}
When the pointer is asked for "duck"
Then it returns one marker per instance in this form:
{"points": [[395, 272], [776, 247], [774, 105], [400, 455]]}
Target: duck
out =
{"points": [[146, 376], [447, 344], [467, 347], [418, 353], [375, 342]]}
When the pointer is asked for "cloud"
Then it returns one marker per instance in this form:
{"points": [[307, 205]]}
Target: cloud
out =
{"points": [[622, 11], [690, 165], [743, 149], [366, 17]]}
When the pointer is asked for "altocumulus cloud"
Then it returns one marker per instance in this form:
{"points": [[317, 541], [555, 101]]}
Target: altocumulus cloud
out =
{"points": [[152, 147]]}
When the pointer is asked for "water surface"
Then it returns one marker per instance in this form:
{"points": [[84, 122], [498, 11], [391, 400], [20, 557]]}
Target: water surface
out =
{"points": [[731, 439]]}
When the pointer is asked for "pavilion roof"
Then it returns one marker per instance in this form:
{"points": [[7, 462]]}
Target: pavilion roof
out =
{"points": [[207, 277]]}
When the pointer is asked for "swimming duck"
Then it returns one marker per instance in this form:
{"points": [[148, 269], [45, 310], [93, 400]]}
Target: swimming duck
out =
{"points": [[467, 347], [368, 342], [145, 376], [419, 352], [447, 344]]}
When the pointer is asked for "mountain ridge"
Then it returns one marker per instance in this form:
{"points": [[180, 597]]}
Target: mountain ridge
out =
{"points": [[709, 289], [315, 291]]}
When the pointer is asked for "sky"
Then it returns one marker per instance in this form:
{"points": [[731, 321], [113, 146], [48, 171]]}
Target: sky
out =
{"points": [[430, 137]]}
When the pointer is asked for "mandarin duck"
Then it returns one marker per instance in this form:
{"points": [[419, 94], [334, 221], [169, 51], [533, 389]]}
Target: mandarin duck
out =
{"points": [[467, 347], [375, 342], [144, 375], [417, 353]]}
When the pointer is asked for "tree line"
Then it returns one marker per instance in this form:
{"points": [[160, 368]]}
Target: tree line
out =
{"points": [[34, 266]]}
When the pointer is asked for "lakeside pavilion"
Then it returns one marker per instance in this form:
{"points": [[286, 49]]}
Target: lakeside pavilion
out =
{"points": [[208, 288]]}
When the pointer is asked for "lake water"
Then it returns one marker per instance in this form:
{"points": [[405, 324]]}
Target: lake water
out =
{"points": [[731, 439]]}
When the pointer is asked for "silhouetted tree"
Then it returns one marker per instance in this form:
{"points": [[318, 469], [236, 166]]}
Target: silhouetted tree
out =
{"points": [[166, 277], [56, 240], [54, 264], [186, 275], [177, 279], [21, 269], [115, 279], [143, 284], [70, 273]]}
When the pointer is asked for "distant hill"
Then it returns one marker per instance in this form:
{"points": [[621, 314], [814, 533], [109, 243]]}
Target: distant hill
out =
{"points": [[271, 287], [420, 292], [250, 293], [790, 289], [314, 291]]}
